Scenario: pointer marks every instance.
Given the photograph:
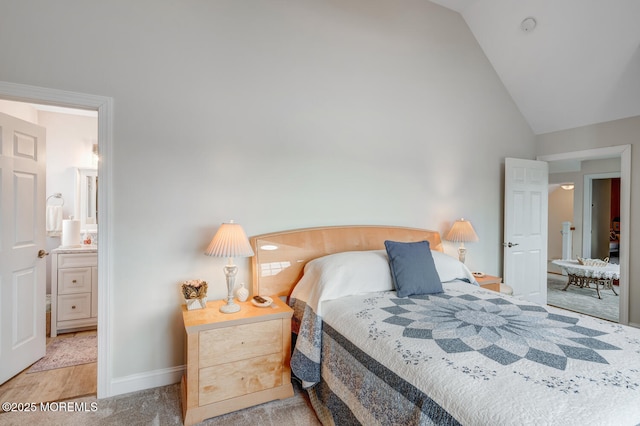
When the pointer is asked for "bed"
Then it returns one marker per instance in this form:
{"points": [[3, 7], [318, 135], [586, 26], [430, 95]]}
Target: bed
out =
{"points": [[457, 354]]}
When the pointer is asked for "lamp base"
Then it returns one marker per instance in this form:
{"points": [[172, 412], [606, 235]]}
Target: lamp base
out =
{"points": [[462, 254], [230, 271], [229, 308]]}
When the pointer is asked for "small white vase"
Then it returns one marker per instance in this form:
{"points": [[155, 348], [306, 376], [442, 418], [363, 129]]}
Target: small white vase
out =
{"points": [[242, 293]]}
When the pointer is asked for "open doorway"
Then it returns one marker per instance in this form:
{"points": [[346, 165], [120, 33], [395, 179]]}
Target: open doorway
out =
{"points": [[602, 203], [609, 168], [104, 107], [71, 344], [602, 212]]}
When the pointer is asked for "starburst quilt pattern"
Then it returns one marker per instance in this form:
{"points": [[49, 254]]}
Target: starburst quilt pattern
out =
{"points": [[497, 328]]}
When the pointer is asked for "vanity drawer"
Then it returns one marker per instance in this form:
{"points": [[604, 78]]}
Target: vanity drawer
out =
{"points": [[74, 306], [74, 280], [240, 342], [75, 260], [240, 378]]}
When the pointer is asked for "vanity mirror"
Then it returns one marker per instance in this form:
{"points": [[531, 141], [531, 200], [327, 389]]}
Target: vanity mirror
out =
{"points": [[87, 199]]}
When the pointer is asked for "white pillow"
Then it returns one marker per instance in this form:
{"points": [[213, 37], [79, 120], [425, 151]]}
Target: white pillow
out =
{"points": [[449, 268], [355, 272], [342, 274]]}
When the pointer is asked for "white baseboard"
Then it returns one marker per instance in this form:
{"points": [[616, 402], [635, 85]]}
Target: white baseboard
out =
{"points": [[147, 380], [633, 324]]}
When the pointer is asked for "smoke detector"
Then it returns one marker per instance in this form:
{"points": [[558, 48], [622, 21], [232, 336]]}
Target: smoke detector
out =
{"points": [[528, 25]]}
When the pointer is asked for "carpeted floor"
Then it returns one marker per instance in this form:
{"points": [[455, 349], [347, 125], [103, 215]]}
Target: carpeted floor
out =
{"points": [[582, 300], [66, 352], [161, 407]]}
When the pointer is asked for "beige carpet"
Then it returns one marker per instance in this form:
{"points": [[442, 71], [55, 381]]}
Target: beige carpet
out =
{"points": [[67, 352], [161, 406], [582, 300]]}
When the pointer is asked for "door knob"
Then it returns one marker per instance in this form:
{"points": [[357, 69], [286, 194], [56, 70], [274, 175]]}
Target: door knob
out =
{"points": [[510, 244], [42, 253]]}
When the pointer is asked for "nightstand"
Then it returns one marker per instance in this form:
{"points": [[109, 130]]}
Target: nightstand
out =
{"points": [[235, 360], [490, 282]]}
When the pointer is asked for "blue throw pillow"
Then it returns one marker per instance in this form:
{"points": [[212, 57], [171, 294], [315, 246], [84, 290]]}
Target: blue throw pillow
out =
{"points": [[412, 268]]}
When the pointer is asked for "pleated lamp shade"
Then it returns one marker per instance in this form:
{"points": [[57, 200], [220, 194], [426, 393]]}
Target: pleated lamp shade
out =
{"points": [[230, 241], [462, 232]]}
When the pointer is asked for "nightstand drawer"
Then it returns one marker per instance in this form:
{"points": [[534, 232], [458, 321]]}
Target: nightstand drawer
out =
{"points": [[240, 378], [74, 280], [238, 342], [74, 306]]}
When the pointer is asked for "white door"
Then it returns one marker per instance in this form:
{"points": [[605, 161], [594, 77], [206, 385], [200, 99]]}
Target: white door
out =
{"points": [[525, 228], [22, 236]]}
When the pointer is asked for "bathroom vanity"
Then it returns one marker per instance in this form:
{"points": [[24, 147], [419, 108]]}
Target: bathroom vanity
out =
{"points": [[74, 289]]}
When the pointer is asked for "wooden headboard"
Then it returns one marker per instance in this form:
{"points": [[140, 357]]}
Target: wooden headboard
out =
{"points": [[280, 256]]}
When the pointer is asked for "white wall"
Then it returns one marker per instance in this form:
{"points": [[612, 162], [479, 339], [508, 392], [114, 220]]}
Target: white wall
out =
{"points": [[19, 110], [560, 210], [276, 114], [70, 139]]}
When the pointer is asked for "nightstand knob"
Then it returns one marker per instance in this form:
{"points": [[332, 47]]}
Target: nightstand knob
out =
{"points": [[73, 307], [74, 281]]}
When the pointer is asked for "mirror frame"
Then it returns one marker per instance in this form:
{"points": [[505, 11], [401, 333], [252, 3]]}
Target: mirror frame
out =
{"points": [[85, 194]]}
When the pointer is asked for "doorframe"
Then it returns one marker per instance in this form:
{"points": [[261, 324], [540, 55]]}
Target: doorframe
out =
{"points": [[587, 201], [624, 152], [104, 106]]}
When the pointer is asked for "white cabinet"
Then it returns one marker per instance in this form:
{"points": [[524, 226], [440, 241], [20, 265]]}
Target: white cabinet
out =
{"points": [[74, 289]]}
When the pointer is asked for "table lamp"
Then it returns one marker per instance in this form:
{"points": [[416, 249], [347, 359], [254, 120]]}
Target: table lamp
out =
{"points": [[462, 232], [230, 241]]}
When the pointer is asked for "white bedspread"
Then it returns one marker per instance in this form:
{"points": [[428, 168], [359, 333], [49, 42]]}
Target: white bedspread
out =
{"points": [[482, 357]]}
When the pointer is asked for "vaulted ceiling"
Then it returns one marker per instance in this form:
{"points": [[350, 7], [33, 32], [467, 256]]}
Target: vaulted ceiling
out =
{"points": [[580, 65]]}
